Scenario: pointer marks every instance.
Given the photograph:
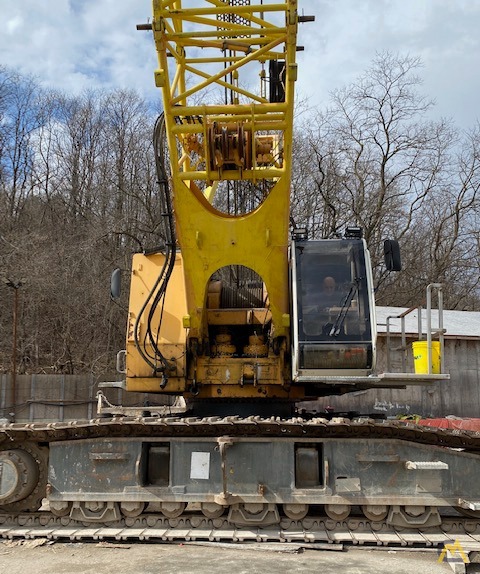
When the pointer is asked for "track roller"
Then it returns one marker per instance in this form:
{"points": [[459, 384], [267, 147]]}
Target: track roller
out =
{"points": [[132, 509], [60, 507], [375, 512], [412, 516], [95, 511], [337, 511], [295, 511], [253, 514], [212, 509], [172, 509]]}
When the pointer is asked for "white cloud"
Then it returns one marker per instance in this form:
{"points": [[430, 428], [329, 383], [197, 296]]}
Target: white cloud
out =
{"points": [[73, 45], [76, 44], [342, 42], [13, 24]]}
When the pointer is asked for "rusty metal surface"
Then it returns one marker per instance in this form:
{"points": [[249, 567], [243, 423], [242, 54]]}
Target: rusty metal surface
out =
{"points": [[253, 426]]}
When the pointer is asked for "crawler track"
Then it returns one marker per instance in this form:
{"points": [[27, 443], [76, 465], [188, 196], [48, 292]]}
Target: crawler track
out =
{"points": [[153, 527]]}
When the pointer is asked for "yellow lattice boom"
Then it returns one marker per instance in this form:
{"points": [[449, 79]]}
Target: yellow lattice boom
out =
{"points": [[208, 51]]}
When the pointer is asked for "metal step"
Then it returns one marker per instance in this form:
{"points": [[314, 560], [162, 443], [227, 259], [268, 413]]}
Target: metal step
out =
{"points": [[426, 465]]}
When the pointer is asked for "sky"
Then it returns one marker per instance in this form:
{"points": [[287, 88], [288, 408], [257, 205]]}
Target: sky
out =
{"points": [[72, 45]]}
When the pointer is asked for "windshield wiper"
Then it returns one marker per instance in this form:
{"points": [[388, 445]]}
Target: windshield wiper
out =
{"points": [[339, 321]]}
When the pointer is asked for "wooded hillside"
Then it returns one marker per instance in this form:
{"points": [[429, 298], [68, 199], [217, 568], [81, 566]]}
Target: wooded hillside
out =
{"points": [[78, 196]]}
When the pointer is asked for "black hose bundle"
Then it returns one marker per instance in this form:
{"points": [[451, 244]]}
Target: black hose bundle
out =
{"points": [[156, 359]]}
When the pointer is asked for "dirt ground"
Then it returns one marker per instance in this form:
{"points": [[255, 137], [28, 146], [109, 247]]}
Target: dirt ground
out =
{"points": [[142, 558]]}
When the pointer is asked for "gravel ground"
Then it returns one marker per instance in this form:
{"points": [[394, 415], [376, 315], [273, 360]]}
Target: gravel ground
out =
{"points": [[42, 557]]}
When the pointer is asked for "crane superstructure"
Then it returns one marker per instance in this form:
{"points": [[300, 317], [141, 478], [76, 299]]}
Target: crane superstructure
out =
{"points": [[229, 171], [231, 307]]}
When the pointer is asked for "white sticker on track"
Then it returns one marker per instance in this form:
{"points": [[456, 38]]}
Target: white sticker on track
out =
{"points": [[200, 465]]}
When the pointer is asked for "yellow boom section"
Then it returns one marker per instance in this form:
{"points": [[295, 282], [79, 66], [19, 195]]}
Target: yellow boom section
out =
{"points": [[227, 71]]}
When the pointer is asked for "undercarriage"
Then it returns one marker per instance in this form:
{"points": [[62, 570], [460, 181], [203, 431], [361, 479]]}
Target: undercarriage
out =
{"points": [[386, 482]]}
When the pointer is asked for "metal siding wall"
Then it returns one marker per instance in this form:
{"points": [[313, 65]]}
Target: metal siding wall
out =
{"points": [[459, 397], [50, 398]]}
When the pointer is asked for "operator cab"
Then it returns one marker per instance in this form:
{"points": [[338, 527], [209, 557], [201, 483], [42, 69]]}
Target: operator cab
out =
{"points": [[333, 310]]}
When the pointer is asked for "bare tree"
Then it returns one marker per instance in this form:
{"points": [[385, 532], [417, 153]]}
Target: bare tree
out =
{"points": [[130, 182], [91, 201], [377, 160], [20, 102]]}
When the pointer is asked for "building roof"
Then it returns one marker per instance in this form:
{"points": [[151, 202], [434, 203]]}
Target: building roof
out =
{"points": [[462, 324]]}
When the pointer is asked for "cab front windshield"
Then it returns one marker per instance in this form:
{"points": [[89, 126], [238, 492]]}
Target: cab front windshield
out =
{"points": [[332, 291]]}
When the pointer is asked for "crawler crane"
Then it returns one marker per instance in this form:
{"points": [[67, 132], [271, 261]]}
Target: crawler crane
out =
{"points": [[231, 314]]}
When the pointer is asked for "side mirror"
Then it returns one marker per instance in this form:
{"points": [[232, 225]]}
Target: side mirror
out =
{"points": [[115, 284], [391, 252]]}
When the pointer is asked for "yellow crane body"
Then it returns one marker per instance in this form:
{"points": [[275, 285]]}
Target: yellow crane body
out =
{"points": [[246, 144]]}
